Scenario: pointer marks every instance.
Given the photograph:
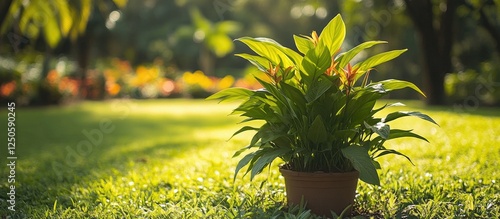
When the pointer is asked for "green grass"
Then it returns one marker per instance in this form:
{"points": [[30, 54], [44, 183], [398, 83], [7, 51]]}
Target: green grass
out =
{"points": [[171, 159]]}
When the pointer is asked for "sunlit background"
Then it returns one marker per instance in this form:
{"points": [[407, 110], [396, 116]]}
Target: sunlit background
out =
{"points": [[61, 51]]}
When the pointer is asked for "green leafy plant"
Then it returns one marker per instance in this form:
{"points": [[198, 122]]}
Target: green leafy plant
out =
{"points": [[316, 117]]}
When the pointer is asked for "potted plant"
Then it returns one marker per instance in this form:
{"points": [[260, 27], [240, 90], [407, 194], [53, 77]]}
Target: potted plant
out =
{"points": [[318, 117]]}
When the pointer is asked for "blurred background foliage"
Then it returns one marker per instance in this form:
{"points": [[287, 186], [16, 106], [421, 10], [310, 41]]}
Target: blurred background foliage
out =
{"points": [[56, 50]]}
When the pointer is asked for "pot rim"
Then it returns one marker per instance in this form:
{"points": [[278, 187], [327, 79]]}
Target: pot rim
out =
{"points": [[317, 174]]}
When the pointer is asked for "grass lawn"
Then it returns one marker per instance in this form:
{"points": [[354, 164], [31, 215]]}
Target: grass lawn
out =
{"points": [[171, 159]]}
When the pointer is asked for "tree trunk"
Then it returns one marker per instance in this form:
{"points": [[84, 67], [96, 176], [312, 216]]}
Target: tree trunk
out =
{"points": [[46, 93], [206, 61], [436, 44], [82, 46], [446, 33], [492, 30], [4, 11]]}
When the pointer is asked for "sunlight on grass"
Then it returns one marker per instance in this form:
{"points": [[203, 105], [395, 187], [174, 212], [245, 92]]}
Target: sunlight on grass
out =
{"points": [[173, 159]]}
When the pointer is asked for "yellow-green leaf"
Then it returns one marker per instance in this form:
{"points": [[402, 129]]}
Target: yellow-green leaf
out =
{"points": [[268, 50], [346, 57], [333, 34], [302, 44]]}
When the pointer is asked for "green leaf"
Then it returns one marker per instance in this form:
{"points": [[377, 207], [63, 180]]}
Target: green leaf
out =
{"points": [[396, 104], [265, 96], [272, 132], [303, 44], [233, 93], [281, 102], [317, 132], [343, 134], [266, 48], [398, 133], [261, 63], [396, 115], [333, 35], [260, 113], [255, 138], [360, 109], [243, 162], [381, 128], [241, 150], [375, 60], [317, 89], [362, 162], [392, 85], [247, 105], [372, 92], [244, 129], [295, 97], [346, 57], [267, 133], [378, 59], [391, 151], [267, 156], [315, 62], [294, 56], [375, 87]]}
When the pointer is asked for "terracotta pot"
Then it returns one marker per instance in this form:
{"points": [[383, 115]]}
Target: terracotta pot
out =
{"points": [[323, 192]]}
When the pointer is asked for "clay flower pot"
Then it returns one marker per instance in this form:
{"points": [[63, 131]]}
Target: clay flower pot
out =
{"points": [[322, 192]]}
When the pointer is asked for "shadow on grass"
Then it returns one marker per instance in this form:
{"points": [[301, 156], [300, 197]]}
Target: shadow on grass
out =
{"points": [[58, 148]]}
